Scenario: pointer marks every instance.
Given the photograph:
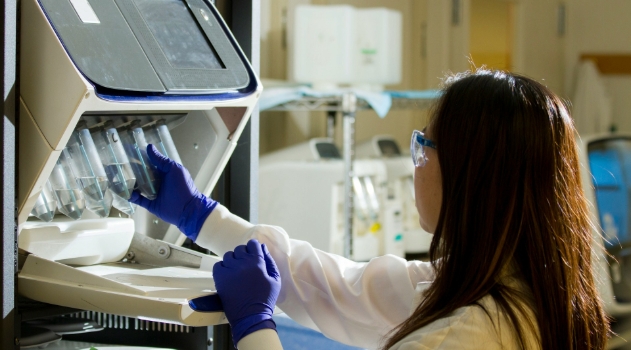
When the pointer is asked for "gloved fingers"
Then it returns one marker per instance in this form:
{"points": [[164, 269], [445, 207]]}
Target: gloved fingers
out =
{"points": [[140, 200], [240, 252], [270, 264], [228, 259], [254, 248], [156, 158], [218, 273]]}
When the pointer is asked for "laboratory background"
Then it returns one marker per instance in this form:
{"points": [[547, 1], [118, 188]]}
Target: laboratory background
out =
{"points": [[295, 113]]}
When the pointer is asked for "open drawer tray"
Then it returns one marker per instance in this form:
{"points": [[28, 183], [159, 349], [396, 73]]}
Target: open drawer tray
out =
{"points": [[156, 281]]}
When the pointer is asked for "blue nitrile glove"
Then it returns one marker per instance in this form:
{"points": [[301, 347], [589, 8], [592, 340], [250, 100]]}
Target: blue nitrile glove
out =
{"points": [[248, 283], [178, 201]]}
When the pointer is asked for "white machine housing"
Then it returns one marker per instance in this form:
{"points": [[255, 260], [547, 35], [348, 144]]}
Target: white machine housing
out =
{"points": [[345, 45], [605, 270], [302, 191], [400, 189], [612, 270], [78, 264]]}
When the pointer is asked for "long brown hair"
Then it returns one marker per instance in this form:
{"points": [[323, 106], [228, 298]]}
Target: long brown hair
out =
{"points": [[512, 196]]}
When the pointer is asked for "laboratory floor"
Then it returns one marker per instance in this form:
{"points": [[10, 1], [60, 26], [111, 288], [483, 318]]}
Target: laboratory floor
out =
{"points": [[296, 337]]}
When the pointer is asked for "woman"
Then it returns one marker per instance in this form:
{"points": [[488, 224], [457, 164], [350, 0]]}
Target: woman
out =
{"points": [[497, 183]]}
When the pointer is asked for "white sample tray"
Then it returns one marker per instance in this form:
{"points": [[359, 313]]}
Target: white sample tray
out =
{"points": [[159, 294], [92, 278]]}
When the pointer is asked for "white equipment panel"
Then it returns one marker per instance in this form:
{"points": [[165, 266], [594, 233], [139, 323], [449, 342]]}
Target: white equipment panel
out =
{"points": [[301, 189], [400, 186]]}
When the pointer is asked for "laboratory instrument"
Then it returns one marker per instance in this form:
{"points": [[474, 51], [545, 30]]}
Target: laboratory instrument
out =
{"points": [[91, 70], [400, 198], [606, 176], [301, 189], [606, 180]]}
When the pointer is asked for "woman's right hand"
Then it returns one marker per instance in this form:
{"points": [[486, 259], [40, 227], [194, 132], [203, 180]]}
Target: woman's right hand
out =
{"points": [[248, 284], [178, 201]]}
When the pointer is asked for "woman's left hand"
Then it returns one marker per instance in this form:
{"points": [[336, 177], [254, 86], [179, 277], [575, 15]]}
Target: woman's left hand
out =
{"points": [[248, 283]]}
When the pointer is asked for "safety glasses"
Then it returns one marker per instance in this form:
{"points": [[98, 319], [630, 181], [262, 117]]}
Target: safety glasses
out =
{"points": [[417, 148]]}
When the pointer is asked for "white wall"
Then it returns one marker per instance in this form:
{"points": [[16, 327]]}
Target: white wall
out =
{"points": [[538, 47], [596, 27], [447, 42], [619, 88], [602, 27]]}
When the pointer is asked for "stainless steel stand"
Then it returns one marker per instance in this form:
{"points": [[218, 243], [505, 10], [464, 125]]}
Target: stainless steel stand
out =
{"points": [[349, 108]]}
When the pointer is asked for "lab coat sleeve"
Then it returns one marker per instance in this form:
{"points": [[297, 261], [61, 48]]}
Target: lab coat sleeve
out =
{"points": [[353, 303]]}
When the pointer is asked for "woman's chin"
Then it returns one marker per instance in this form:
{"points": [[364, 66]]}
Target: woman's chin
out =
{"points": [[426, 227]]}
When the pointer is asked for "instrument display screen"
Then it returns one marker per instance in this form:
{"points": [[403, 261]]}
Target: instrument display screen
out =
{"points": [[177, 33], [610, 165]]}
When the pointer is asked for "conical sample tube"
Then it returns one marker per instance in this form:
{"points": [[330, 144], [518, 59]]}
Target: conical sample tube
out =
{"points": [[117, 168], [372, 199], [136, 147], [122, 204], [89, 171], [70, 201], [158, 134], [46, 204], [361, 202]]}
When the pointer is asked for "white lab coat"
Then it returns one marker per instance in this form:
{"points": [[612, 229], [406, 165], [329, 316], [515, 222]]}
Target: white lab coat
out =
{"points": [[355, 303]]}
